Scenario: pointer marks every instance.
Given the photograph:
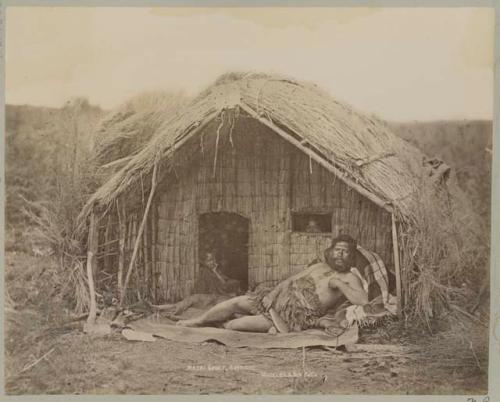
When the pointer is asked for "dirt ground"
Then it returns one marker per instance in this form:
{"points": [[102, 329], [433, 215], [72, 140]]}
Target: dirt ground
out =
{"points": [[80, 364], [452, 361]]}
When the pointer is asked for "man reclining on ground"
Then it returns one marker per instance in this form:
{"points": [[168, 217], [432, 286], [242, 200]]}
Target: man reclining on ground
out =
{"points": [[297, 303]]}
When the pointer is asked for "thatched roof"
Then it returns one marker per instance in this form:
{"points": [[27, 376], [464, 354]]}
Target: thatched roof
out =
{"points": [[127, 129], [360, 149]]}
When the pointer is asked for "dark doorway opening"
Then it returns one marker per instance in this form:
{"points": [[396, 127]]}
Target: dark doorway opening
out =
{"points": [[225, 234]]}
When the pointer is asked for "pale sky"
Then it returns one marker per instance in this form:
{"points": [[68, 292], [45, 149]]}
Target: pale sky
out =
{"points": [[399, 63]]}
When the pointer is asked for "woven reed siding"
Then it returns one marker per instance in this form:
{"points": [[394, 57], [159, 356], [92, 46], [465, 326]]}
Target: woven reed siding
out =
{"points": [[306, 247], [142, 280], [255, 188], [262, 178], [107, 252], [317, 190], [154, 251], [166, 242]]}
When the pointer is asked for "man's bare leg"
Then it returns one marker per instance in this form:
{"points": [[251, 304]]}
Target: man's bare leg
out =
{"points": [[251, 323], [221, 312]]}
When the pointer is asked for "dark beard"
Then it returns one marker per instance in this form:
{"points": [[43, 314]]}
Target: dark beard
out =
{"points": [[342, 268]]}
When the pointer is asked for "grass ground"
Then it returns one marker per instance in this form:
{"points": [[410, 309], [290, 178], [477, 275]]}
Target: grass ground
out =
{"points": [[453, 360]]}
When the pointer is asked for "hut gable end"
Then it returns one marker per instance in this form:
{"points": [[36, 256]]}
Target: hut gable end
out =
{"points": [[360, 149], [242, 167]]}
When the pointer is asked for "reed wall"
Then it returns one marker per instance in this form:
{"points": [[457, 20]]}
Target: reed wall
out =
{"points": [[250, 171]]}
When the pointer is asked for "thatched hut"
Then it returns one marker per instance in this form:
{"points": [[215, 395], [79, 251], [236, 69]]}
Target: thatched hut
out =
{"points": [[243, 170]]}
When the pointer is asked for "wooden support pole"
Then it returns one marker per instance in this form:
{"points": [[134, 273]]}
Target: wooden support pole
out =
{"points": [[395, 248], [139, 233], [153, 253], [145, 257], [122, 230], [106, 246], [91, 261], [138, 260]]}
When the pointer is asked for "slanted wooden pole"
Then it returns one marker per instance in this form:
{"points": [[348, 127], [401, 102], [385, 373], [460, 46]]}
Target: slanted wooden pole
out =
{"points": [[145, 255], [122, 230], [106, 246], [395, 248], [91, 261], [322, 161], [153, 254], [139, 233]]}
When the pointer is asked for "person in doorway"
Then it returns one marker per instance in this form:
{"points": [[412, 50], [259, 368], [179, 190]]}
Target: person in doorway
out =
{"points": [[296, 303], [212, 287], [217, 281]]}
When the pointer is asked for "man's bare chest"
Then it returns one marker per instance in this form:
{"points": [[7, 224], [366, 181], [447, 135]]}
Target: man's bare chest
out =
{"points": [[328, 296]]}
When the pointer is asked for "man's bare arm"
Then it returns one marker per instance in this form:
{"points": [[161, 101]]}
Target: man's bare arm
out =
{"points": [[351, 287]]}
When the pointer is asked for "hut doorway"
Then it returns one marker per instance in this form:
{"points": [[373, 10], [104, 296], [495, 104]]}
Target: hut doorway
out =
{"points": [[225, 234]]}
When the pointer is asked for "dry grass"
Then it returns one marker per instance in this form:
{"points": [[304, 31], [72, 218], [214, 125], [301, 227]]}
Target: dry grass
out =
{"points": [[464, 342], [445, 253], [126, 130], [35, 302], [53, 233], [52, 225]]}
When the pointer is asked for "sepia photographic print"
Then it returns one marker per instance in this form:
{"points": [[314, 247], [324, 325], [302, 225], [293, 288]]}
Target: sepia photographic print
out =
{"points": [[248, 200]]}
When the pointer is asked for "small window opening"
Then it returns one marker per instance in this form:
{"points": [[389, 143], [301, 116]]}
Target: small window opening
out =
{"points": [[312, 223]]}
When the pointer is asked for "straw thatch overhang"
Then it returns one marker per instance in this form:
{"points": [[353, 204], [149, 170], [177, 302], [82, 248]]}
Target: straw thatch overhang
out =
{"points": [[126, 130], [360, 150]]}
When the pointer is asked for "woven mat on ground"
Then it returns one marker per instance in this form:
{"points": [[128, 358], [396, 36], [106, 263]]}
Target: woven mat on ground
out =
{"points": [[311, 337]]}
